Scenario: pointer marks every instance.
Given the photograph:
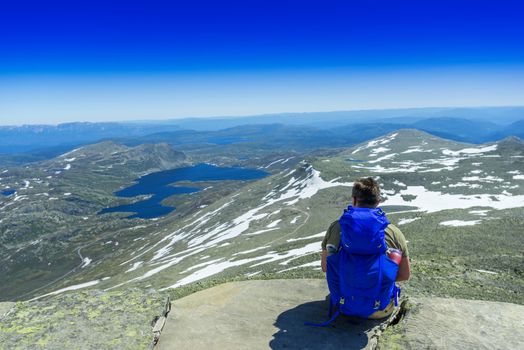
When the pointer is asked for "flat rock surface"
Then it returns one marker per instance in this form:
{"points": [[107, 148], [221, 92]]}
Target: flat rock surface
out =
{"points": [[438, 323], [270, 314]]}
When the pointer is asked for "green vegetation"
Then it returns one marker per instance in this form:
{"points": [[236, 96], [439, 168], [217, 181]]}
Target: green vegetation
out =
{"points": [[83, 320]]}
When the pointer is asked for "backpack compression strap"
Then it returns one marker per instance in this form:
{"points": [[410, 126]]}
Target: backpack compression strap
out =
{"points": [[324, 324], [332, 317]]}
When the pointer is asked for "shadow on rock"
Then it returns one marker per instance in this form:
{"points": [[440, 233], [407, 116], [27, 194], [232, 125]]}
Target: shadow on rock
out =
{"points": [[344, 333]]}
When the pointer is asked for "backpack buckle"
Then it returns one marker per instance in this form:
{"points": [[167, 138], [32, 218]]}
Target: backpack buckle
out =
{"points": [[377, 304], [341, 302]]}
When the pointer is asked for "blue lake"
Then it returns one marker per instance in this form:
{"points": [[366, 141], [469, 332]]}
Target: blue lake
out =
{"points": [[162, 184], [8, 192]]}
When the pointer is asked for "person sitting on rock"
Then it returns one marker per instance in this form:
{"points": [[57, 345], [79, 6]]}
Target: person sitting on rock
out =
{"points": [[363, 220]]}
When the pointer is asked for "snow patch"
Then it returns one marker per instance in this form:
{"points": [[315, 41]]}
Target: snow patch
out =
{"points": [[73, 287], [290, 254], [470, 151], [406, 221], [380, 141], [388, 156], [489, 179], [252, 250], [479, 212], [294, 220], [378, 150], [70, 152], [135, 266], [316, 235], [210, 270], [86, 261], [274, 223], [273, 163], [459, 223], [414, 149], [251, 274], [433, 201], [315, 263]]}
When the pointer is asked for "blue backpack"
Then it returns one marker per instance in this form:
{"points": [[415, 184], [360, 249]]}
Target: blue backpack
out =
{"points": [[361, 277]]}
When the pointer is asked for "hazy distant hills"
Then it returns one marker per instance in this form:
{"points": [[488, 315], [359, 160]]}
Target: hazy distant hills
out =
{"points": [[19, 144], [28, 138], [343, 135], [324, 120]]}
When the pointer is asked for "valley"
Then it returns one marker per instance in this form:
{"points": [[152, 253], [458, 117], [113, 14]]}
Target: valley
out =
{"points": [[459, 205], [273, 226]]}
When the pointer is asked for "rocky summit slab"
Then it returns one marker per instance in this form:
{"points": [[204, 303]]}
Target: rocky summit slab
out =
{"points": [[270, 314], [444, 323], [263, 314]]}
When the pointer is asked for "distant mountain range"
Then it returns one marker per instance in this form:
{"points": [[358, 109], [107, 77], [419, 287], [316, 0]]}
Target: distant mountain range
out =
{"points": [[343, 135], [57, 138], [21, 144]]}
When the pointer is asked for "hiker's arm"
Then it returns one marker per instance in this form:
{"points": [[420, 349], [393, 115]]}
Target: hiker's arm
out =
{"points": [[323, 260], [404, 269]]}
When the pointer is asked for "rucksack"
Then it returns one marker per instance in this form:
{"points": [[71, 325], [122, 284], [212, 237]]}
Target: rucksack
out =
{"points": [[360, 276]]}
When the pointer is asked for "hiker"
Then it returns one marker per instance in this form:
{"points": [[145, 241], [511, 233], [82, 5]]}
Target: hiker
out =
{"points": [[360, 270]]}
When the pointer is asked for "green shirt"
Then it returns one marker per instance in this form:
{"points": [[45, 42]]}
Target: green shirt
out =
{"points": [[394, 239]]}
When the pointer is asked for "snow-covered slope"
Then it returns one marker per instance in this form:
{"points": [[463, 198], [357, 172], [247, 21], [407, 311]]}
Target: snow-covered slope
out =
{"points": [[275, 225]]}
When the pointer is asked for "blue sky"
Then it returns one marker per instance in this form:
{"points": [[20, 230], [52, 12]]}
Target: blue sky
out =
{"points": [[121, 60]]}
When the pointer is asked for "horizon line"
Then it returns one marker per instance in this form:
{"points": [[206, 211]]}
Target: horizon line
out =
{"points": [[239, 116]]}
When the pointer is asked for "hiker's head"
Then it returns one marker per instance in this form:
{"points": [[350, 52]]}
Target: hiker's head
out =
{"points": [[366, 193]]}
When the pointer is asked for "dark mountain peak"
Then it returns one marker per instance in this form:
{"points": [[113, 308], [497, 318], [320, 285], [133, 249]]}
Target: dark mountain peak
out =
{"points": [[512, 144], [512, 139], [518, 123], [113, 152], [95, 148], [161, 150], [411, 135], [402, 141], [458, 122]]}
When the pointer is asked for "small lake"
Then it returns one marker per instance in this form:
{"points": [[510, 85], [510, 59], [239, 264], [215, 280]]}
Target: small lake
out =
{"points": [[8, 192], [162, 184]]}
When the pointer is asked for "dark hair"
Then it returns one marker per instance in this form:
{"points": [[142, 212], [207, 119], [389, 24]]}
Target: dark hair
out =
{"points": [[367, 191]]}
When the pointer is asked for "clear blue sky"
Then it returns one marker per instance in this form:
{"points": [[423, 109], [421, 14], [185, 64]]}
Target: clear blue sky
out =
{"points": [[121, 60]]}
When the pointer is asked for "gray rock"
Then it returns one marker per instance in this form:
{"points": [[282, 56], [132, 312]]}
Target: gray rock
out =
{"points": [[259, 315], [5, 307], [271, 314], [439, 323]]}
